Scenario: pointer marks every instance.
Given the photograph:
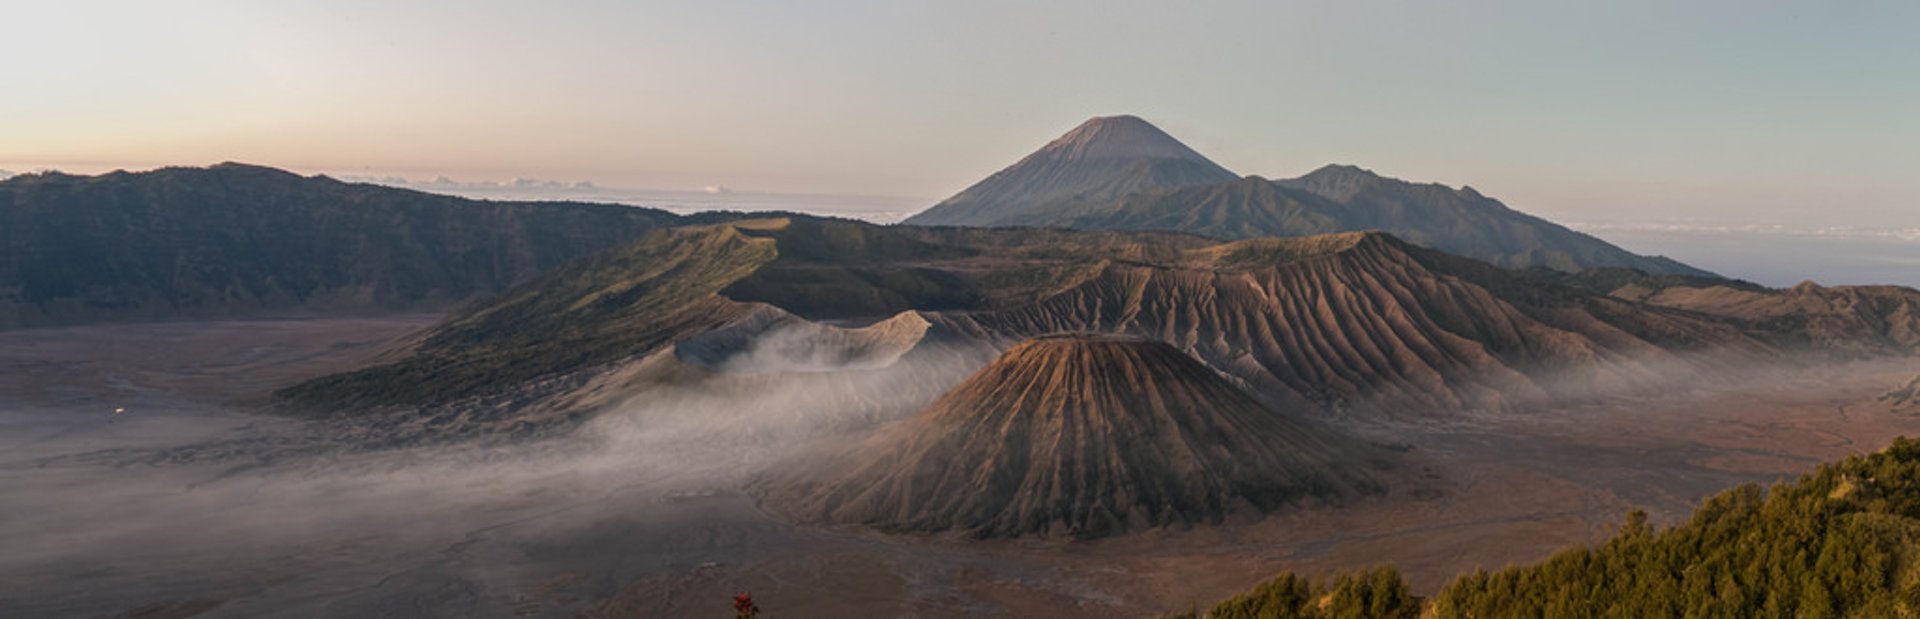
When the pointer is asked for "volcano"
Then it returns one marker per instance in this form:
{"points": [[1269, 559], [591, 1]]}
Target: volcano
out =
{"points": [[1102, 159], [1081, 435], [1122, 173]]}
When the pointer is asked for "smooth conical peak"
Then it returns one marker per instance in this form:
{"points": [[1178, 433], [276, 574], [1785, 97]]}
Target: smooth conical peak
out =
{"points": [[1102, 159], [1120, 137]]}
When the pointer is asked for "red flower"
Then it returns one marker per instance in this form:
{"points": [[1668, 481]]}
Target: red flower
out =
{"points": [[743, 606]]}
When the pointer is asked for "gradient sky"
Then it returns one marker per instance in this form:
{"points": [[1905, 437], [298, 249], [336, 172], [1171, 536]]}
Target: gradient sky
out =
{"points": [[1618, 110]]}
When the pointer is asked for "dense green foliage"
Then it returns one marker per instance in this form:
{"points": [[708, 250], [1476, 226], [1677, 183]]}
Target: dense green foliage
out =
{"points": [[1378, 593], [191, 242], [1841, 542]]}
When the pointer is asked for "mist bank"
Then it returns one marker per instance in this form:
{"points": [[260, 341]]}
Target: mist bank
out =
{"points": [[208, 503], [267, 517]]}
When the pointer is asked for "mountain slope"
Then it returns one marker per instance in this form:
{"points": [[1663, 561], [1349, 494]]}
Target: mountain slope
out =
{"points": [[1363, 320], [1355, 321], [233, 239], [1246, 208], [1120, 173], [619, 303], [1463, 222], [1102, 159], [1853, 321], [1344, 198], [1083, 436]]}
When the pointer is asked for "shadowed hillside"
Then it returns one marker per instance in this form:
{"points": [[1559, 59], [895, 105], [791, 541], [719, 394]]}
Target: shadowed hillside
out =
{"points": [[234, 239], [1081, 436]]}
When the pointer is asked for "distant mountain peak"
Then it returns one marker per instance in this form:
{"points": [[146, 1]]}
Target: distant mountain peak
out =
{"points": [[1101, 159], [1120, 137], [1339, 181], [1343, 172], [244, 168]]}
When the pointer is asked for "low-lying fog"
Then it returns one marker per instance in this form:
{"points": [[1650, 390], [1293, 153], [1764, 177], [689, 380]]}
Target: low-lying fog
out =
{"points": [[184, 503]]}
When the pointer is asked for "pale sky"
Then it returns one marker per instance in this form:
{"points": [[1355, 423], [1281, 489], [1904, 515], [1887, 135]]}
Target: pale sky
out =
{"points": [[1581, 111]]}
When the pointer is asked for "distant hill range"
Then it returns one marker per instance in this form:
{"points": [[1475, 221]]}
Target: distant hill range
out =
{"points": [[236, 239], [1121, 173], [1856, 321], [239, 240]]}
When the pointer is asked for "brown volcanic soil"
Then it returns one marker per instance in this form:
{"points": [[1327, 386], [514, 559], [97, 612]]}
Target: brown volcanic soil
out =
{"points": [[1081, 435]]}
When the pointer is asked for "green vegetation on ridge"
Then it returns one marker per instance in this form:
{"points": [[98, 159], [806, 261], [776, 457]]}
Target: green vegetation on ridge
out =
{"points": [[1843, 541], [1377, 593]]}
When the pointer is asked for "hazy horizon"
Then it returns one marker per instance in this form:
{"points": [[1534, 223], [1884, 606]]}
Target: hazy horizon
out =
{"points": [[1725, 130], [1771, 253], [1787, 114]]}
